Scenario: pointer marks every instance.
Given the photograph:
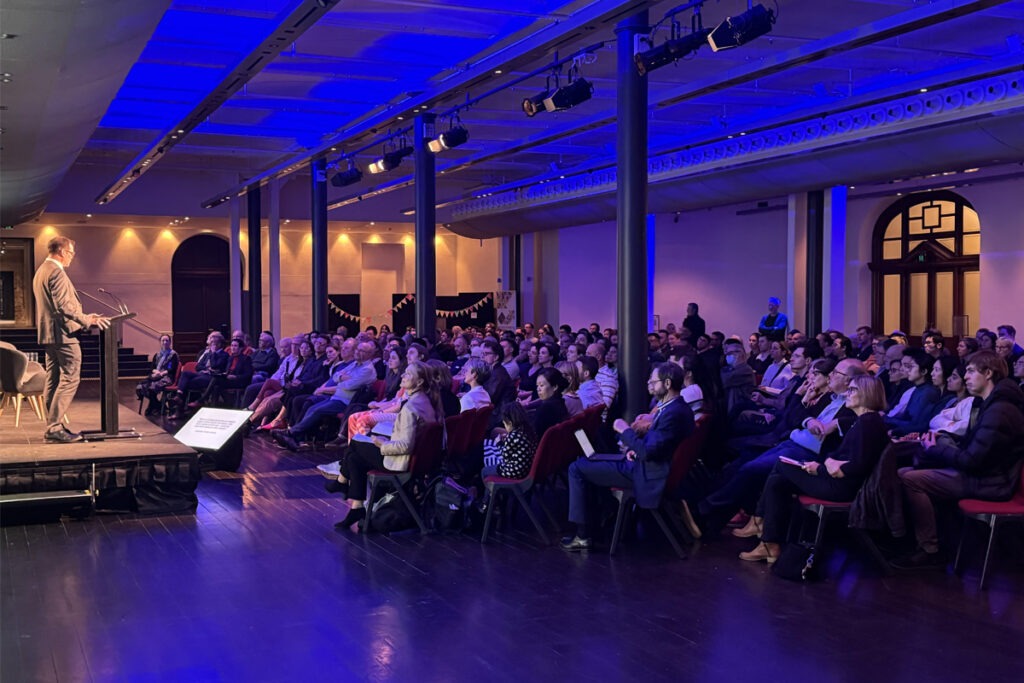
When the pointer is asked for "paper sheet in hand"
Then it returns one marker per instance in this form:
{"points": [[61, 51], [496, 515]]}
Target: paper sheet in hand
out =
{"points": [[588, 449]]}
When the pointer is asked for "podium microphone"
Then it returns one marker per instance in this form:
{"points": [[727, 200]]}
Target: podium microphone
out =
{"points": [[120, 304]]}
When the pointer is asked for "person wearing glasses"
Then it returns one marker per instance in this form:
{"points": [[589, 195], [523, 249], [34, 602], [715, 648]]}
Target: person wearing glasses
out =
{"points": [[499, 385], [648, 457], [59, 321]]}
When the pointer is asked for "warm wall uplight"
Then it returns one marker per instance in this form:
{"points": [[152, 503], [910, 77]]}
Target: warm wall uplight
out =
{"points": [[438, 239], [407, 239], [344, 238], [127, 232], [166, 233], [49, 230], [374, 239]]}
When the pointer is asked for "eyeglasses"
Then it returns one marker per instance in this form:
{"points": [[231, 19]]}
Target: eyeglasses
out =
{"points": [[838, 372], [654, 381]]}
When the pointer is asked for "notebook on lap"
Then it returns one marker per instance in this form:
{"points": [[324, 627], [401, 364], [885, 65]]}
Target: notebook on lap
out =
{"points": [[588, 449]]}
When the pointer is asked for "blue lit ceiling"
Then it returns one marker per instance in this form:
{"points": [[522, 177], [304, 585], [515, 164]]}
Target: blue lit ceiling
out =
{"points": [[364, 68]]}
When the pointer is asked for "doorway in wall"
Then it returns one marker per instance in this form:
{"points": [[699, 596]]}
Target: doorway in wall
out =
{"points": [[200, 290]]}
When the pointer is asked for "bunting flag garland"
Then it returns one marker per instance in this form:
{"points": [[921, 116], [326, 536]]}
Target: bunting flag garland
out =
{"points": [[409, 298]]}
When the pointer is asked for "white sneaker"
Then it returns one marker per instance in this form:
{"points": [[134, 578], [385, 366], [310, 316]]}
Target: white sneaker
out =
{"points": [[331, 470]]}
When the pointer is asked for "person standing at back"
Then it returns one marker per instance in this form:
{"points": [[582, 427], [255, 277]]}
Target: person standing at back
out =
{"points": [[774, 324], [59, 320]]}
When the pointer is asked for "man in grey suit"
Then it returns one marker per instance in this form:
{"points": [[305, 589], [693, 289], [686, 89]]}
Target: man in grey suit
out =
{"points": [[59, 318]]}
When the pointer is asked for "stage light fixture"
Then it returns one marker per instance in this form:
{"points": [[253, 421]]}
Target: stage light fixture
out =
{"points": [[670, 51], [347, 177], [532, 105], [390, 160], [567, 97], [742, 29], [453, 137]]}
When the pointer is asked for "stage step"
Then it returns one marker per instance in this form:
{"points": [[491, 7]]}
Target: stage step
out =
{"points": [[129, 364]]}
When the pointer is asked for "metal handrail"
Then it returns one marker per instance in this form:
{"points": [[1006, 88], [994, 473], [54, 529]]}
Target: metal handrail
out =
{"points": [[136, 321]]}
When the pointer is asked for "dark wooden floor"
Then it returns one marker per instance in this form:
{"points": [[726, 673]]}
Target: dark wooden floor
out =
{"points": [[258, 586]]}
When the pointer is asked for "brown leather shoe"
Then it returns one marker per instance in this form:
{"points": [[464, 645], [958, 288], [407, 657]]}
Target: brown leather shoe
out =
{"points": [[761, 552]]}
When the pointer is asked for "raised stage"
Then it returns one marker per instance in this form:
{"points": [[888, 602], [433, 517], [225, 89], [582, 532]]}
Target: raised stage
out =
{"points": [[151, 474]]}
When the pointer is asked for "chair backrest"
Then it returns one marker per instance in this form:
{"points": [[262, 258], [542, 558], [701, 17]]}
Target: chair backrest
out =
{"points": [[556, 449], [481, 421], [12, 367], [428, 450], [378, 388], [686, 453], [460, 428]]}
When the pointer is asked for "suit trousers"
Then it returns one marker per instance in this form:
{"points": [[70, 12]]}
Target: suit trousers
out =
{"points": [[599, 473], [63, 374]]}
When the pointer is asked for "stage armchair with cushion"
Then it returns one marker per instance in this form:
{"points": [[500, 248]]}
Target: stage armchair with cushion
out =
{"points": [[20, 379]]}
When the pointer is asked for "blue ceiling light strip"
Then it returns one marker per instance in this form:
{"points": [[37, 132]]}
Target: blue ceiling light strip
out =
{"points": [[287, 29]]}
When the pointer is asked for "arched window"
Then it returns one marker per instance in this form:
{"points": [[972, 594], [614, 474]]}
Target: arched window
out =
{"points": [[925, 265]]}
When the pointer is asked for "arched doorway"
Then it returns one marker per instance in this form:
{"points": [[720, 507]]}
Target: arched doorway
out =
{"points": [[200, 286], [925, 265]]}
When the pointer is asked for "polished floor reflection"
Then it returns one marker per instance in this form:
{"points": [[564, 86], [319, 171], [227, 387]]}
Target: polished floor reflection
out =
{"points": [[258, 586]]}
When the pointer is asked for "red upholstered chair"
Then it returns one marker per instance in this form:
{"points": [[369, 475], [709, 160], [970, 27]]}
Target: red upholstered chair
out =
{"points": [[557, 440], [822, 508], [424, 460], [683, 458], [992, 513], [460, 429], [378, 387], [171, 388]]}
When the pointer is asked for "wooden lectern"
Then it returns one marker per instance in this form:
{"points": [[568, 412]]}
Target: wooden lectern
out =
{"points": [[109, 388]]}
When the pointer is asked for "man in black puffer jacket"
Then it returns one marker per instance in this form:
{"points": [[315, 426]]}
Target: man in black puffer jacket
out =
{"points": [[985, 465]]}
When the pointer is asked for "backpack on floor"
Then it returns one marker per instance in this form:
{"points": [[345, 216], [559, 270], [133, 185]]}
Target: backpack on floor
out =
{"points": [[451, 505], [390, 514]]}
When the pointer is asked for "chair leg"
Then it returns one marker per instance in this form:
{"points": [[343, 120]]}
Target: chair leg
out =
{"points": [[620, 517], [960, 546], [988, 550], [490, 514], [364, 526], [412, 509], [821, 525], [665, 529], [37, 404], [533, 517], [17, 409]]}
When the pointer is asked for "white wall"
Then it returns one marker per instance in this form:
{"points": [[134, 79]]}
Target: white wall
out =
{"points": [[587, 287]]}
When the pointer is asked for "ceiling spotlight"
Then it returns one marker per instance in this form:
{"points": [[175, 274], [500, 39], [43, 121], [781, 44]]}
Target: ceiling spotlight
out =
{"points": [[742, 29], [453, 137], [670, 51], [567, 97], [532, 105], [347, 177], [390, 160]]}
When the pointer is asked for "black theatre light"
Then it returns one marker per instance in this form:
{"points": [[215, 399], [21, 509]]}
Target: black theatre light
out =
{"points": [[532, 105], [566, 97], [348, 177], [670, 51], [742, 29], [453, 137], [390, 160]]}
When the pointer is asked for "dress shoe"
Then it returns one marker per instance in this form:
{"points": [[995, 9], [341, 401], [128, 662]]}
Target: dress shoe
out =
{"points": [[354, 515], [761, 552], [575, 544], [689, 520], [751, 530], [920, 559], [284, 439], [62, 436], [335, 486], [193, 405]]}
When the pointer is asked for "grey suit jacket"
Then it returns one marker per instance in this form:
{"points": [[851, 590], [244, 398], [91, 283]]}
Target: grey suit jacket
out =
{"points": [[58, 311]]}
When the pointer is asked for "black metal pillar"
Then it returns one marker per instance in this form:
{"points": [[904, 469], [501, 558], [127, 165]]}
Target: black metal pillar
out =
{"points": [[815, 260], [319, 232], [426, 252], [255, 270], [631, 153]]}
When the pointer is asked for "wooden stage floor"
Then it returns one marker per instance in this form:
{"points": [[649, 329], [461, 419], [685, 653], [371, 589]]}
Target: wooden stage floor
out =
{"points": [[258, 586]]}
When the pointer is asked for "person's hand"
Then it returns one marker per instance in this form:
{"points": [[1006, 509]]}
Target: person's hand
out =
{"points": [[631, 455], [833, 467], [99, 321], [769, 417], [377, 441], [928, 440], [810, 467], [620, 425], [757, 397], [816, 427]]}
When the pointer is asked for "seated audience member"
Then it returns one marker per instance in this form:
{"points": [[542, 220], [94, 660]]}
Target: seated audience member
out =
{"points": [[499, 385], [864, 347], [842, 347], [760, 356], [737, 376], [769, 402], [838, 478], [528, 375], [773, 324], [549, 408], [267, 400], [386, 410], [589, 391], [647, 459], [986, 464], [422, 407], [986, 340], [1010, 332], [517, 445], [607, 375], [892, 376], [696, 388], [164, 369], [1018, 371], [213, 360], [349, 380], [508, 358], [933, 345], [571, 373], [285, 351], [953, 414], [1004, 349], [777, 373], [914, 407], [236, 375], [817, 438], [965, 347], [477, 373], [460, 343], [265, 358], [443, 379]]}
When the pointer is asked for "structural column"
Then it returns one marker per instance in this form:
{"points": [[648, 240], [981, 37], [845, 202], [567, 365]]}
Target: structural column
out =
{"points": [[631, 153], [318, 181], [426, 229], [815, 260], [235, 266], [255, 271], [834, 259], [274, 257]]}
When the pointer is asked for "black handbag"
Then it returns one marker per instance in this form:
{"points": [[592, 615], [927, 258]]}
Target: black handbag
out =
{"points": [[797, 562]]}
